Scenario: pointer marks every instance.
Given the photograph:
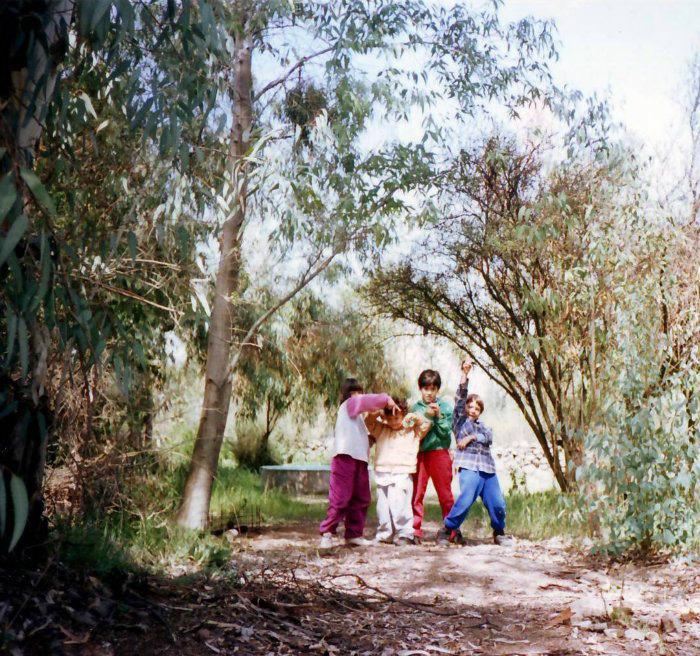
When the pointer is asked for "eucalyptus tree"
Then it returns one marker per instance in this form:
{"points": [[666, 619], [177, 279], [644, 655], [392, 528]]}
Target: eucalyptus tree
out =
{"points": [[341, 65], [58, 56], [301, 360]]}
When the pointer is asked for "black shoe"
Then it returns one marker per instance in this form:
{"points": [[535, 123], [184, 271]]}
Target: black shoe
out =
{"points": [[457, 538], [443, 536]]}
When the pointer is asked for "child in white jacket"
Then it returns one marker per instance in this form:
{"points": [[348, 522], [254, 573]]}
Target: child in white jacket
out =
{"points": [[397, 437]]}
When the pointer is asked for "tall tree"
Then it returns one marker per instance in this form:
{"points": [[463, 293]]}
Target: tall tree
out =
{"points": [[465, 59]]}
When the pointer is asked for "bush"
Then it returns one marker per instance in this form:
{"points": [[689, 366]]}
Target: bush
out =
{"points": [[640, 482], [251, 448]]}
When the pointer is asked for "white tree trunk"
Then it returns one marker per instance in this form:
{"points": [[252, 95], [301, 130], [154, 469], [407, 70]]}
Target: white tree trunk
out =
{"points": [[194, 509]]}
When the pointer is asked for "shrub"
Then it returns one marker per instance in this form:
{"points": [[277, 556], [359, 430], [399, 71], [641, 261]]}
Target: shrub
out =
{"points": [[252, 445]]}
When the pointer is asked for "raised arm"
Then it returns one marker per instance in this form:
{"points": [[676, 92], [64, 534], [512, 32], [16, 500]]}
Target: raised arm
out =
{"points": [[372, 421], [367, 403], [459, 413]]}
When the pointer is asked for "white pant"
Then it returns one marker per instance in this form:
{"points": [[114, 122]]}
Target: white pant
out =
{"points": [[394, 508]]}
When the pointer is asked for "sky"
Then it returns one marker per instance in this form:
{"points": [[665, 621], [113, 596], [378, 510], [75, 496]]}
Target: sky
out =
{"points": [[636, 51]]}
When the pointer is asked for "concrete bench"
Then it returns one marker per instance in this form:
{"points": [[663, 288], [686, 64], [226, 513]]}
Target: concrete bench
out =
{"points": [[297, 479]]}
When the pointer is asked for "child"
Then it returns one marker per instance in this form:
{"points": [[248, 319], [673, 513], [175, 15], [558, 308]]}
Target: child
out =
{"points": [[434, 460], [476, 467], [349, 494], [397, 436]]}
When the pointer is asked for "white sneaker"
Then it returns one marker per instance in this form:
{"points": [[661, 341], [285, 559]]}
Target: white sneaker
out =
{"points": [[357, 542], [326, 541]]}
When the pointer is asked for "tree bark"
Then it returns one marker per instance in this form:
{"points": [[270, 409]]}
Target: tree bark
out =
{"points": [[194, 509]]}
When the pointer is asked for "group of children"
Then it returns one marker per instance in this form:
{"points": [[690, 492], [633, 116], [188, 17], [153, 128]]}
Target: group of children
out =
{"points": [[410, 448]]}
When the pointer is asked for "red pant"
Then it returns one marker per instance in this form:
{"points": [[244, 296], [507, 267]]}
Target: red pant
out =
{"points": [[436, 465]]}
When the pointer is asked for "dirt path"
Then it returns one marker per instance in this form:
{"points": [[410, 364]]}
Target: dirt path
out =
{"points": [[280, 596], [535, 598]]}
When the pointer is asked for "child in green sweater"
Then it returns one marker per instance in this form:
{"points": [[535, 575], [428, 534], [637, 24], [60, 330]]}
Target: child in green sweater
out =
{"points": [[434, 459]]}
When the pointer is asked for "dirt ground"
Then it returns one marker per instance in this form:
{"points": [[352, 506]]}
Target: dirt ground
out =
{"points": [[280, 596]]}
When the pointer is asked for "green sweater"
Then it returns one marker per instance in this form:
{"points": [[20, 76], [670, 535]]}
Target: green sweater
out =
{"points": [[440, 435]]}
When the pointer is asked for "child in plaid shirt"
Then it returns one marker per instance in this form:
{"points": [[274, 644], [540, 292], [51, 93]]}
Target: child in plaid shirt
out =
{"points": [[476, 467]]}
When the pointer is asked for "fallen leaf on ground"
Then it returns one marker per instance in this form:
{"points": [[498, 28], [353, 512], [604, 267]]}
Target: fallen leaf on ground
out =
{"points": [[560, 586], [562, 618], [670, 622]]}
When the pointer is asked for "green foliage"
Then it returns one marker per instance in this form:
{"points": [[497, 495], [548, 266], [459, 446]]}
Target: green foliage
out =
{"points": [[529, 515], [640, 480], [136, 534], [13, 498], [307, 353], [252, 448]]}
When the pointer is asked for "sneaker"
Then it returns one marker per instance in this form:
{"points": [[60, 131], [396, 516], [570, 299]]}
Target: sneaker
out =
{"points": [[326, 541], [443, 536], [503, 540], [417, 539], [357, 542], [457, 538], [404, 541]]}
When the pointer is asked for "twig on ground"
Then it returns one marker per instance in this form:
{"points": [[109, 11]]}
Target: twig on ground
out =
{"points": [[428, 607]]}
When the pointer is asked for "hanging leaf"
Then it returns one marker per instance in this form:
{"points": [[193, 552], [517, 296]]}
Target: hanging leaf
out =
{"points": [[20, 506], [23, 346], [38, 191], [8, 195], [11, 239], [11, 334], [45, 270]]}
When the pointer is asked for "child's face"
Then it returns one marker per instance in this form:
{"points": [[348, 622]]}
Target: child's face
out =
{"points": [[395, 421], [473, 410], [429, 393]]}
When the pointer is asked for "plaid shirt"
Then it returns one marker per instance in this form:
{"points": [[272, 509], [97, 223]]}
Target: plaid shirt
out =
{"points": [[477, 456]]}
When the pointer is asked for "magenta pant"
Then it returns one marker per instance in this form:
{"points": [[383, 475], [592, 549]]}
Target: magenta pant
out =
{"points": [[348, 496]]}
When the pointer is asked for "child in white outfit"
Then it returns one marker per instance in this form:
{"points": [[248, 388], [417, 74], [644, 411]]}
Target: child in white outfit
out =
{"points": [[397, 437]]}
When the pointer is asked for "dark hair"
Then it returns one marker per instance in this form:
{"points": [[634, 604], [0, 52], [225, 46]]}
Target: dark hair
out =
{"points": [[349, 386], [477, 399], [429, 377], [401, 402]]}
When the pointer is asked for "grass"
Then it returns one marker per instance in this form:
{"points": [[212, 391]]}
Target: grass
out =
{"points": [[139, 534], [529, 515]]}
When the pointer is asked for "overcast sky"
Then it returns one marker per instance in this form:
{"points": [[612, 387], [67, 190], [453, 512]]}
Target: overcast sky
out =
{"points": [[636, 50]]}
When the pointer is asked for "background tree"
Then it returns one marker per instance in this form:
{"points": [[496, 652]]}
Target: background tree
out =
{"points": [[513, 276], [297, 369]]}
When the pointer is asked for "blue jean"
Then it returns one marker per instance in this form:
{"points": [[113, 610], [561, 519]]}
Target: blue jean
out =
{"points": [[473, 484]]}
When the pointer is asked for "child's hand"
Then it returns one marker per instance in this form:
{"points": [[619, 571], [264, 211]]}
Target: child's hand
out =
{"points": [[433, 410], [392, 406], [467, 365]]}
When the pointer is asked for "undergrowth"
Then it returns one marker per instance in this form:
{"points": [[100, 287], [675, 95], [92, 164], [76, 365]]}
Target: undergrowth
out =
{"points": [[138, 534]]}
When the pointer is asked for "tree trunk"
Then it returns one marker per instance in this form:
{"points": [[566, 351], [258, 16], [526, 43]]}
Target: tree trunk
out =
{"points": [[194, 510], [28, 84]]}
